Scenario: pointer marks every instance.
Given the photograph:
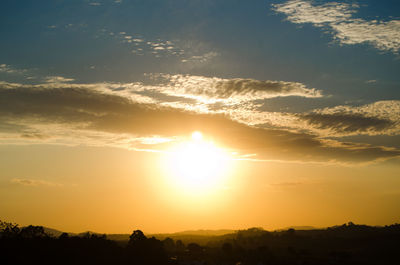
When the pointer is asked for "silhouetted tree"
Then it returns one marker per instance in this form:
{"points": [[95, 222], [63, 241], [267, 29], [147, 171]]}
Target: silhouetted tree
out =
{"points": [[33, 232], [169, 245], [137, 236], [8, 230], [227, 248], [143, 250], [180, 247], [194, 248], [290, 232]]}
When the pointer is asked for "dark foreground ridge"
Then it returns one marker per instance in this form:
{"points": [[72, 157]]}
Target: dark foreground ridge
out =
{"points": [[345, 244]]}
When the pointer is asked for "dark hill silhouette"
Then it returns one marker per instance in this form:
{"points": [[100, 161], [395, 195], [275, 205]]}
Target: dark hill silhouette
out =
{"points": [[54, 232], [304, 227], [347, 244], [202, 232]]}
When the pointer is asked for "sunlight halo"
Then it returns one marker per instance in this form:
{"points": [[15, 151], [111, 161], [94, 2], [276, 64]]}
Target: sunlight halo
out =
{"points": [[197, 166]]}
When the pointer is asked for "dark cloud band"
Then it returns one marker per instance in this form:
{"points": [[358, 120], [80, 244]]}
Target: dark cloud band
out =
{"points": [[93, 111]]}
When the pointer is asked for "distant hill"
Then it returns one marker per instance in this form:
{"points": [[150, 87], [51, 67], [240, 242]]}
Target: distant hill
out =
{"points": [[118, 237], [206, 236], [305, 227], [201, 235], [185, 236], [53, 232], [198, 236], [202, 232]]}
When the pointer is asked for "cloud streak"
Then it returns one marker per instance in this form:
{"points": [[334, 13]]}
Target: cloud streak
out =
{"points": [[34, 182], [231, 91], [158, 48], [346, 124], [339, 19], [378, 118], [8, 69]]}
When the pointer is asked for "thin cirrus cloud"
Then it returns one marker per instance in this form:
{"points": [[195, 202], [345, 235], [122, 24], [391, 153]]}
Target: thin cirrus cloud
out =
{"points": [[34, 182], [347, 124], [377, 118], [141, 46], [339, 19], [75, 114], [58, 79], [214, 89], [8, 69], [200, 58]]}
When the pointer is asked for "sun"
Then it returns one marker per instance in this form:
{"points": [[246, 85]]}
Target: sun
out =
{"points": [[197, 165]]}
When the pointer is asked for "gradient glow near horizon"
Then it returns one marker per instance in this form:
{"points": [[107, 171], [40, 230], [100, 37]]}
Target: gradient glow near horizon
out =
{"points": [[174, 115]]}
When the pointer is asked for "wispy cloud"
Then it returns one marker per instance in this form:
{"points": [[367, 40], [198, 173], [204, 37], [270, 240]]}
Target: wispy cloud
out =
{"points": [[231, 91], [200, 58], [378, 118], [34, 182], [4, 68], [141, 45], [58, 79], [347, 124], [339, 19], [158, 47]]}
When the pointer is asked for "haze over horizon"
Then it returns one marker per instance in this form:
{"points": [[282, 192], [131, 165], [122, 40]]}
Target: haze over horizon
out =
{"points": [[211, 232], [175, 115]]}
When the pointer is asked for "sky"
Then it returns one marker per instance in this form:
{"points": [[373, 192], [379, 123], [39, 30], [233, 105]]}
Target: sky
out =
{"points": [[171, 115]]}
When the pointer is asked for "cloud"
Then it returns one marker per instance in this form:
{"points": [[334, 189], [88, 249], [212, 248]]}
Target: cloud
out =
{"points": [[200, 58], [4, 68], [302, 11], [338, 19], [105, 114], [378, 118], [214, 89], [141, 45], [348, 124], [185, 51], [34, 182], [58, 79], [233, 98]]}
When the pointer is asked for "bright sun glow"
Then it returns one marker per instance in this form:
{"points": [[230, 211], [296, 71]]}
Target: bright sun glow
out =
{"points": [[197, 165]]}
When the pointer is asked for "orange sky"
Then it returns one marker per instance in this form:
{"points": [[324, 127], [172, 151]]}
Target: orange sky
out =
{"points": [[114, 191], [296, 105]]}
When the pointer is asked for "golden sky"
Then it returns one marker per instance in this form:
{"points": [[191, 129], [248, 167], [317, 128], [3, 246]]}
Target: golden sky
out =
{"points": [[112, 190], [173, 115]]}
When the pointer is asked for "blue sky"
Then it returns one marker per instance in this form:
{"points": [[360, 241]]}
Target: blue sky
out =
{"points": [[242, 40], [314, 67]]}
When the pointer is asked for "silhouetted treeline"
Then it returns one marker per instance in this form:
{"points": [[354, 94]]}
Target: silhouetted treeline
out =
{"points": [[342, 245], [345, 244], [31, 245]]}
